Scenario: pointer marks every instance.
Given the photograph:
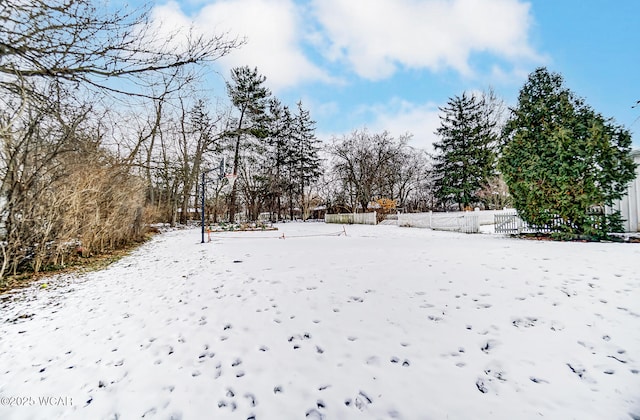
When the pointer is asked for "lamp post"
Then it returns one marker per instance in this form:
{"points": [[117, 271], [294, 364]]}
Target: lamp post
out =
{"points": [[202, 185]]}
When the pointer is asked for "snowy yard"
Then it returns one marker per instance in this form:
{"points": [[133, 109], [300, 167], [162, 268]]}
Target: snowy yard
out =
{"points": [[386, 322]]}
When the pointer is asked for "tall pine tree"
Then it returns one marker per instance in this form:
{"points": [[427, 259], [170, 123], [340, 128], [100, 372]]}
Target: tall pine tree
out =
{"points": [[305, 159], [465, 156], [250, 97], [279, 152]]}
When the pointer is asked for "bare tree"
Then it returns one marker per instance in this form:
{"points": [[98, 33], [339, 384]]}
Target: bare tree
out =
{"points": [[366, 164], [58, 60], [74, 41]]}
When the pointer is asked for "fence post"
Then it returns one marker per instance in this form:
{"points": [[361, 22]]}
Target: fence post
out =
{"points": [[519, 220]]}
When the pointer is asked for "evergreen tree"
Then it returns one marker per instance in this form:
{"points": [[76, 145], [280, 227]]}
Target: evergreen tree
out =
{"points": [[561, 159], [250, 97], [280, 150], [305, 159], [465, 155]]}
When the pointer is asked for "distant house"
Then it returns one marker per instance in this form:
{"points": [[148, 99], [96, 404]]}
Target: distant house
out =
{"points": [[192, 213], [318, 212], [629, 205]]}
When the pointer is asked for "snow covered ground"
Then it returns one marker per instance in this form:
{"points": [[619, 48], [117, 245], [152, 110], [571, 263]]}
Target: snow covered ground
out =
{"points": [[386, 322]]}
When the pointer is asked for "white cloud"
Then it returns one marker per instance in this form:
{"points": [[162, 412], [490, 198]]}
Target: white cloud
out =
{"points": [[376, 37], [273, 30], [372, 38], [400, 117]]}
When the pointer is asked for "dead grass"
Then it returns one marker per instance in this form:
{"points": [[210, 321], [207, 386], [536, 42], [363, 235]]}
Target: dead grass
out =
{"points": [[76, 265]]}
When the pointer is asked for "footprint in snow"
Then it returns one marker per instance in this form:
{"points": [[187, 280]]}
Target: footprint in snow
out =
{"points": [[314, 414], [580, 371], [232, 405], [538, 380], [207, 354], [373, 360], [299, 337], [488, 346], [491, 374], [556, 326], [252, 399], [482, 387], [526, 322], [396, 360], [362, 400], [620, 358]]}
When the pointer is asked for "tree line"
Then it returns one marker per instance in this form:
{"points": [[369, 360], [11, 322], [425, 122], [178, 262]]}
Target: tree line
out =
{"points": [[74, 81], [563, 163], [105, 129]]}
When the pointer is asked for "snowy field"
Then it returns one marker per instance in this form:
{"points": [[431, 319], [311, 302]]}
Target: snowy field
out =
{"points": [[384, 323]]}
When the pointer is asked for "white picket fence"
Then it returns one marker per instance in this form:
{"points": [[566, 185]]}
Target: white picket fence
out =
{"points": [[466, 222], [629, 204], [351, 218]]}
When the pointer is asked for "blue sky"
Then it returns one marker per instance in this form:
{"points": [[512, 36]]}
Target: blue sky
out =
{"points": [[389, 64]]}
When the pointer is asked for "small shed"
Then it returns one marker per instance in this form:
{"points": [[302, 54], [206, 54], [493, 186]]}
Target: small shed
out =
{"points": [[629, 205]]}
